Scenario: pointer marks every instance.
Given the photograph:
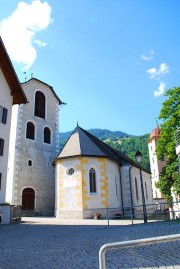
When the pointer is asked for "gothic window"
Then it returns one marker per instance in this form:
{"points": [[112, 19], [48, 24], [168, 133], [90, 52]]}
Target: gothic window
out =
{"points": [[146, 191], [30, 131], [47, 135], [40, 105], [136, 187], [92, 180]]}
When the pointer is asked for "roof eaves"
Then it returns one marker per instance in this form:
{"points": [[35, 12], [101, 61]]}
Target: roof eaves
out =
{"points": [[17, 92]]}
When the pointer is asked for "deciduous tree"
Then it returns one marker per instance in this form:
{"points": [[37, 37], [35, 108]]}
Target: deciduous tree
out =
{"points": [[170, 116]]}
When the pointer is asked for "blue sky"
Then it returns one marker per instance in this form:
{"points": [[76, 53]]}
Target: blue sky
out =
{"points": [[111, 61]]}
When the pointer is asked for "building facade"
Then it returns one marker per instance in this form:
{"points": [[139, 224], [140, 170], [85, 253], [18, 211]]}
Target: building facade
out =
{"points": [[11, 93]]}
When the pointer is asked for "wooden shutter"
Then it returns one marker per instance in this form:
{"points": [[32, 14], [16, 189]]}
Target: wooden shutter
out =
{"points": [[1, 146], [4, 115], [1, 113]]}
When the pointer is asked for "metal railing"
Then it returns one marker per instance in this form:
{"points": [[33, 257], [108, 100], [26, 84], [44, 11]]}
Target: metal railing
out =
{"points": [[133, 243], [162, 211]]}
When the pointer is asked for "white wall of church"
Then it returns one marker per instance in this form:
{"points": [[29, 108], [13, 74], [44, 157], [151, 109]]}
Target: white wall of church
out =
{"points": [[6, 101], [73, 196]]}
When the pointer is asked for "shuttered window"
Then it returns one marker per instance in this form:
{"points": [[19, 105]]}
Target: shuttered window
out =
{"points": [[1, 146], [1, 113], [4, 115]]}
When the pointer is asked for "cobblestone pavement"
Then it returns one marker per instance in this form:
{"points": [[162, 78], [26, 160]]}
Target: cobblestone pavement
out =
{"points": [[49, 244]]}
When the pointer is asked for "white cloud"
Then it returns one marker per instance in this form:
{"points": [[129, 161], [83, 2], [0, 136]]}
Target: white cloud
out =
{"points": [[148, 57], [40, 43], [160, 89], [18, 31], [157, 73]]}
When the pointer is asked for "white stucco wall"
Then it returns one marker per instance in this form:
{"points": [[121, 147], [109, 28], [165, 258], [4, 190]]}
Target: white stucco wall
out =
{"points": [[5, 101], [147, 186], [12, 155], [73, 195]]}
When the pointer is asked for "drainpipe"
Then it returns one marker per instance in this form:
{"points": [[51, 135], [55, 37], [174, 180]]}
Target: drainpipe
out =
{"points": [[130, 184], [122, 203]]}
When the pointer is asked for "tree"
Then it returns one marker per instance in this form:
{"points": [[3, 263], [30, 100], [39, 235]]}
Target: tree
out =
{"points": [[170, 115]]}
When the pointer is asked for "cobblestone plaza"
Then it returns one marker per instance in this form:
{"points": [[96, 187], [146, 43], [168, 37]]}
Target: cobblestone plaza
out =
{"points": [[49, 244]]}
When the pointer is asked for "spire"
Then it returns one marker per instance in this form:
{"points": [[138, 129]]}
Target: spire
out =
{"points": [[157, 122]]}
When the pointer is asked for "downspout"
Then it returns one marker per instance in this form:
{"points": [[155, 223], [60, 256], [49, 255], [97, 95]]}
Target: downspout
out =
{"points": [[122, 203], [130, 184]]}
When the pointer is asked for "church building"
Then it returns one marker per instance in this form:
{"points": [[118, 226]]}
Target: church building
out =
{"points": [[34, 145], [92, 176]]}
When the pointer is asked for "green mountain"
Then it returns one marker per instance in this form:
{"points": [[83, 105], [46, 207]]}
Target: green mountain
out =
{"points": [[127, 144]]}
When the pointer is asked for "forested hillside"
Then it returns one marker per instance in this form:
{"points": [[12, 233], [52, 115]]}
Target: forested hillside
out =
{"points": [[127, 144]]}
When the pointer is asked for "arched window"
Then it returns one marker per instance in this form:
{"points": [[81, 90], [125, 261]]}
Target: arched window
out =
{"points": [[30, 131], [47, 135], [92, 180], [136, 187], [39, 109], [146, 191]]}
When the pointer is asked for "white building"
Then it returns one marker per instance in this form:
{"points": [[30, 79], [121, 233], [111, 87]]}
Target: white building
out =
{"points": [[11, 93], [155, 164], [34, 145], [91, 176]]}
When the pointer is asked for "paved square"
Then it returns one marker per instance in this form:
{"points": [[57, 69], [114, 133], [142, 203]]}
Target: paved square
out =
{"points": [[48, 243]]}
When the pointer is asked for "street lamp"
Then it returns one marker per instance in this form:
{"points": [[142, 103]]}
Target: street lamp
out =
{"points": [[139, 160]]}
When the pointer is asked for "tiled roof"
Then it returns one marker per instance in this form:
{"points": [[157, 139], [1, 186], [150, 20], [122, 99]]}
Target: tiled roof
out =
{"points": [[82, 143], [155, 133]]}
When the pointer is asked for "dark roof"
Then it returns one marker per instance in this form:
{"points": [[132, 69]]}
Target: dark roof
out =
{"points": [[60, 102], [7, 68], [82, 143]]}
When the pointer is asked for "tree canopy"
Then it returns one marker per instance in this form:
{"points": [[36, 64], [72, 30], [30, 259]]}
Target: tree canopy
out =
{"points": [[170, 116]]}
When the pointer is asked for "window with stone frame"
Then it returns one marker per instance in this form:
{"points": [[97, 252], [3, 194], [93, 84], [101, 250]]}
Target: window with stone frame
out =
{"points": [[92, 181], [30, 131], [40, 105]]}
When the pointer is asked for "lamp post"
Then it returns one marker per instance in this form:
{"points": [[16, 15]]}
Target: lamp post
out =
{"points": [[139, 160]]}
